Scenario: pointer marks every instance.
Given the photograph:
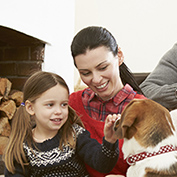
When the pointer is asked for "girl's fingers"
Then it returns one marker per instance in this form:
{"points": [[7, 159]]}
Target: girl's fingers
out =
{"points": [[113, 118]]}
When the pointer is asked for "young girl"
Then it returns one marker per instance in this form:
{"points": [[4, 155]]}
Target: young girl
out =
{"points": [[57, 144]]}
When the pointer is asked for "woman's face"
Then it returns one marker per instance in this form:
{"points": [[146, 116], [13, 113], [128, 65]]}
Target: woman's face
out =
{"points": [[99, 70]]}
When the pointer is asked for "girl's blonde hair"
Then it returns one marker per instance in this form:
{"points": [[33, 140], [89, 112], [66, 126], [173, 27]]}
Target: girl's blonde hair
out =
{"points": [[22, 122]]}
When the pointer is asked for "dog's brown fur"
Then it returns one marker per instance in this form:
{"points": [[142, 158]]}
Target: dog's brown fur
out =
{"points": [[149, 124], [135, 120]]}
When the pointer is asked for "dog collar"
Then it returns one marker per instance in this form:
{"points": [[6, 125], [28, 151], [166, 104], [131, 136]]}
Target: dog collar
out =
{"points": [[132, 159]]}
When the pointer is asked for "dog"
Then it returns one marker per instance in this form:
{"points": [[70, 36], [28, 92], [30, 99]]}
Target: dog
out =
{"points": [[150, 141]]}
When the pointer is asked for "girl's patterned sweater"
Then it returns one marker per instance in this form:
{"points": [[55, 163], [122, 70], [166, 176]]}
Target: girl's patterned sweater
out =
{"points": [[48, 160]]}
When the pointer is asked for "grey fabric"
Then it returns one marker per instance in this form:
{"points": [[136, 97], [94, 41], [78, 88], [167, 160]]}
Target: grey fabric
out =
{"points": [[161, 84]]}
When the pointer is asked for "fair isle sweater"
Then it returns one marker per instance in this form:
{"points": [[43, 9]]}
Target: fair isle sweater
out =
{"points": [[49, 161], [96, 127]]}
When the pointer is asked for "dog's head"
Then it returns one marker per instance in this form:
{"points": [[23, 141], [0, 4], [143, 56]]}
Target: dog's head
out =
{"points": [[145, 120]]}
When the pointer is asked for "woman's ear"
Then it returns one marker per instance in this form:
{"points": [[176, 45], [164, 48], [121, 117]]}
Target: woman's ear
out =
{"points": [[29, 107], [120, 56]]}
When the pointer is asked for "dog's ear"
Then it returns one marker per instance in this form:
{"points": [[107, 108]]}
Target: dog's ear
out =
{"points": [[126, 127]]}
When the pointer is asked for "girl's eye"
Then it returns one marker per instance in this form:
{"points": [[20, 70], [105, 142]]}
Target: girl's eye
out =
{"points": [[50, 104], [64, 104]]}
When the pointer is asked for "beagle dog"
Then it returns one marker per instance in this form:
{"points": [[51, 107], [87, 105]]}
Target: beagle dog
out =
{"points": [[150, 141]]}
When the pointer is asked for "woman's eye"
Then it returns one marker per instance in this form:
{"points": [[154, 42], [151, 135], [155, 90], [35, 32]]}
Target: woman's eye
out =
{"points": [[103, 68], [85, 74]]}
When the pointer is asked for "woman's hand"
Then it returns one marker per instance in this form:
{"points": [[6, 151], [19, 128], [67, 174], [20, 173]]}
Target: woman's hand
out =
{"points": [[109, 132]]}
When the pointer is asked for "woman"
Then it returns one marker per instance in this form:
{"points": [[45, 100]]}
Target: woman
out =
{"points": [[97, 58]]}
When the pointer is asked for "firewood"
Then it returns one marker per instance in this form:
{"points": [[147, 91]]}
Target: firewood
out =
{"points": [[8, 108], [5, 127], [3, 143], [17, 96], [5, 86], [1, 97]]}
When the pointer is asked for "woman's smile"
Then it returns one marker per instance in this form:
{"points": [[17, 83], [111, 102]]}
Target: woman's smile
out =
{"points": [[102, 86]]}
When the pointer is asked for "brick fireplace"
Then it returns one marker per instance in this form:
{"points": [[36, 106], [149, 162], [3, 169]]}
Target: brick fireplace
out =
{"points": [[20, 56]]}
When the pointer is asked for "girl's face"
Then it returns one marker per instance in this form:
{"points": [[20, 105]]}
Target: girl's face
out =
{"points": [[51, 110], [99, 70]]}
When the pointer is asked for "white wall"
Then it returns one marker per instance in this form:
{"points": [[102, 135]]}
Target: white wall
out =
{"points": [[144, 29], [50, 21]]}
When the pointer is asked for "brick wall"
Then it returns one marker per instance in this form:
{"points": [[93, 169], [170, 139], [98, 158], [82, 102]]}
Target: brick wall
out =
{"points": [[20, 56], [17, 63]]}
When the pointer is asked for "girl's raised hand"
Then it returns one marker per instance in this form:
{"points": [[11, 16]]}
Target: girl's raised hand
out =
{"points": [[109, 132]]}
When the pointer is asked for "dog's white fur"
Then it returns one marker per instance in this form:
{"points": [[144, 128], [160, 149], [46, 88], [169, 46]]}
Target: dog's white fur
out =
{"points": [[173, 114], [158, 162]]}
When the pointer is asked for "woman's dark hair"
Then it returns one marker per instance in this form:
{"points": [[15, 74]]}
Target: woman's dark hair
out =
{"points": [[92, 37], [128, 78]]}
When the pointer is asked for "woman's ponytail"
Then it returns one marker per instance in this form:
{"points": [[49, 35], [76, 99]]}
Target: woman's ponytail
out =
{"points": [[128, 78]]}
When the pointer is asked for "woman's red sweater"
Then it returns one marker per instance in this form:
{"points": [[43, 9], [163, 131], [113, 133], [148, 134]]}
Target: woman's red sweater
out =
{"points": [[96, 130]]}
